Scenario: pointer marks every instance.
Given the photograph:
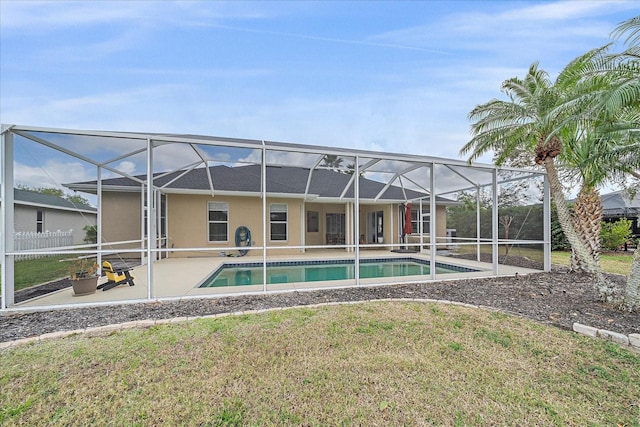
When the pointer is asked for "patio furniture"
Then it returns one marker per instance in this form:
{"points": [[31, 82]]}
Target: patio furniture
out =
{"points": [[116, 277]]}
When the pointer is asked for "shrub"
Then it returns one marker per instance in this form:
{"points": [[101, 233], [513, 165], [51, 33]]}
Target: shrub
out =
{"points": [[615, 234], [559, 241], [91, 234]]}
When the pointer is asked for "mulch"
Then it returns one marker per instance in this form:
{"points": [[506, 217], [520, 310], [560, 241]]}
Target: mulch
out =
{"points": [[557, 298]]}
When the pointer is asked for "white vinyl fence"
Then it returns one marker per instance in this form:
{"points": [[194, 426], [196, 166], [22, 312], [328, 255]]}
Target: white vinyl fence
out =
{"points": [[30, 240]]}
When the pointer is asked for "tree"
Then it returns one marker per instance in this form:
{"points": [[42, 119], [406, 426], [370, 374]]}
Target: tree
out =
{"points": [[506, 221], [76, 199], [625, 97], [606, 86], [536, 118], [91, 233], [332, 161]]}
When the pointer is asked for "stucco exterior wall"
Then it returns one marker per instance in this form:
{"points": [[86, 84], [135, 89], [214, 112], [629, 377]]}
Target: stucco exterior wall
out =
{"points": [[121, 218], [188, 223]]}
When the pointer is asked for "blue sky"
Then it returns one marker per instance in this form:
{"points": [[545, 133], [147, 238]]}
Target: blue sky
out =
{"points": [[386, 76]]}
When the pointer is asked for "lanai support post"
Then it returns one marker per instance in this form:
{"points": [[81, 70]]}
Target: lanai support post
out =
{"points": [[99, 219], [263, 174], [547, 224], [6, 220], [478, 223], [356, 214], [432, 221], [151, 241], [494, 223]]}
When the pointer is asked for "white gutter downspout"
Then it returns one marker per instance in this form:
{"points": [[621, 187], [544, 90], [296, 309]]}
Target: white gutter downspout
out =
{"points": [[303, 226]]}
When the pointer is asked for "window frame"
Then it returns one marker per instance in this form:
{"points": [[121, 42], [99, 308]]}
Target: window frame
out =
{"points": [[225, 208], [426, 222], [40, 221], [285, 222]]}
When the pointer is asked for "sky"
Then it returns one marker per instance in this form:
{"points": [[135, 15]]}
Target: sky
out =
{"points": [[395, 77]]}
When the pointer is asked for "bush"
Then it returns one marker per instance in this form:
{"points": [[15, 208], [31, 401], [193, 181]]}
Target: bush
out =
{"points": [[615, 234], [91, 234], [559, 241]]}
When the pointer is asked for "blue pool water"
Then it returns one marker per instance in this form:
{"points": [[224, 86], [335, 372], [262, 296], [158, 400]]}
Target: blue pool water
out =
{"points": [[241, 274]]}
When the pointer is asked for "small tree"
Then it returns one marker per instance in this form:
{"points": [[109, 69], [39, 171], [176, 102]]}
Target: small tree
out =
{"points": [[91, 234], [615, 234]]}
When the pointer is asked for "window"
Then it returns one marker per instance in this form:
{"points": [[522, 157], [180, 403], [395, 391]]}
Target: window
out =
{"points": [[278, 219], [218, 220], [425, 222], [39, 221]]}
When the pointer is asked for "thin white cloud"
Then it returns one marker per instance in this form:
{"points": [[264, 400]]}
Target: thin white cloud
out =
{"points": [[565, 10], [52, 173], [44, 15], [127, 167], [38, 16], [516, 28]]}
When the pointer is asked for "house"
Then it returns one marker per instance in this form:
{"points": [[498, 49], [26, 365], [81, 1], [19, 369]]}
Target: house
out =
{"points": [[621, 204], [37, 212], [306, 207]]}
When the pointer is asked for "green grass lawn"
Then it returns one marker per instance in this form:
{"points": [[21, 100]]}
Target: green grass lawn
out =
{"points": [[385, 363], [36, 271], [619, 263]]}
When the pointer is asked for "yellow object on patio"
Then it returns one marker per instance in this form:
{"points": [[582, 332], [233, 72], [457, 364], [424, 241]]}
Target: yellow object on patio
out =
{"points": [[115, 277]]}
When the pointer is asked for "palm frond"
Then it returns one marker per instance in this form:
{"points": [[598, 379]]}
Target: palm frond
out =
{"points": [[630, 28]]}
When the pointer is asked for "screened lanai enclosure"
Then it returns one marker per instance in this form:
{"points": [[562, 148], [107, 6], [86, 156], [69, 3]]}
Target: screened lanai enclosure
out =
{"points": [[190, 216]]}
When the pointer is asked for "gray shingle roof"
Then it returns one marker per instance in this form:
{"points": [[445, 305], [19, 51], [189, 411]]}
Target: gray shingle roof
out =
{"points": [[34, 197], [280, 179]]}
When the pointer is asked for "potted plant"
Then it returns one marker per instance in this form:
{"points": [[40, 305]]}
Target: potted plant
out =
{"points": [[84, 279]]}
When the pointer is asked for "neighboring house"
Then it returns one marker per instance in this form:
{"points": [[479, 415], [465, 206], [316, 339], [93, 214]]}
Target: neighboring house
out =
{"points": [[620, 204], [37, 212], [204, 207]]}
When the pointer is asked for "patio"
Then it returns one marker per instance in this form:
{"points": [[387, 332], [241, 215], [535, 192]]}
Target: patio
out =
{"points": [[178, 278]]}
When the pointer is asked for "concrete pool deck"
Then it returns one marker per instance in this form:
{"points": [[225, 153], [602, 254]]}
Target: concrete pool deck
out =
{"points": [[176, 278]]}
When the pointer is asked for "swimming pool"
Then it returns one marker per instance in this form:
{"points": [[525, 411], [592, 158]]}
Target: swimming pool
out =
{"points": [[242, 274]]}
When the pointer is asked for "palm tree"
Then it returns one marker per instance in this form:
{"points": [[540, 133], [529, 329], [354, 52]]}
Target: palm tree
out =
{"points": [[589, 159], [627, 94], [332, 161], [537, 117], [606, 148]]}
